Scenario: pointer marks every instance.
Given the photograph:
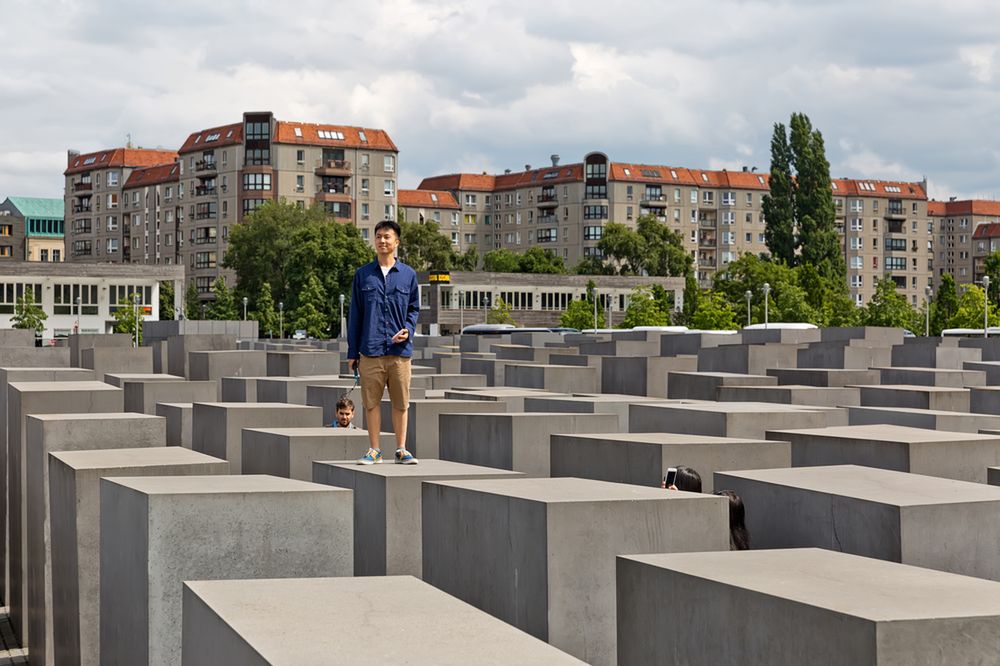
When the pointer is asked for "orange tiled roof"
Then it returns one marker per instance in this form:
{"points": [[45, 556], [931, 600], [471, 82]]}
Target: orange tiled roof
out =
{"points": [[118, 157], [164, 173], [459, 181], [228, 135], [964, 207], [851, 187], [989, 230], [375, 139], [426, 199]]}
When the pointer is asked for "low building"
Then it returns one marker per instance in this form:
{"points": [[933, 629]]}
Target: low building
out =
{"points": [[440, 207], [450, 301], [968, 232], [84, 297], [32, 229]]}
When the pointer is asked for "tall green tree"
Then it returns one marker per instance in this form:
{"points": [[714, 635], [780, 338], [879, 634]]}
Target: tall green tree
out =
{"points": [[778, 205], [467, 261], [264, 311], [29, 315], [223, 308], [714, 313], [644, 310], [537, 260], [945, 304], [424, 247], [692, 296], [580, 315], [309, 315], [814, 210], [192, 303], [971, 308], [991, 267], [623, 248], [282, 245], [128, 321], [501, 261], [500, 313], [889, 308], [593, 265], [663, 253], [167, 300]]}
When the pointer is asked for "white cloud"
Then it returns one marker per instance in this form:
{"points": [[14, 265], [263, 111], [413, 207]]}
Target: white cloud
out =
{"points": [[979, 60]]}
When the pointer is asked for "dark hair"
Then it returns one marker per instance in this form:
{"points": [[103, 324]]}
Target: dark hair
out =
{"points": [[739, 538], [345, 403], [389, 224], [688, 479]]}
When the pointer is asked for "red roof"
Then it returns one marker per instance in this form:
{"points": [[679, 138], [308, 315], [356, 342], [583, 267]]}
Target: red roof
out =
{"points": [[118, 157], [226, 135], [426, 199], [989, 230], [964, 207], [164, 173], [375, 139], [459, 181], [889, 189]]}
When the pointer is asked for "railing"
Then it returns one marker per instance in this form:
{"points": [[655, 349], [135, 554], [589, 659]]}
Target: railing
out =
{"points": [[205, 165], [547, 197], [654, 198], [205, 240], [204, 190], [83, 185], [81, 209], [206, 215]]}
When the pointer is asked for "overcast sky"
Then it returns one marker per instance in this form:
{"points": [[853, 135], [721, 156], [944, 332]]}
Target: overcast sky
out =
{"points": [[900, 90]]}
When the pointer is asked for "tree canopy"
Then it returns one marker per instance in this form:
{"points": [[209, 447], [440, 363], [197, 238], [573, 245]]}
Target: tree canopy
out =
{"points": [[309, 315], [888, 308], [29, 315], [424, 248], [714, 313], [651, 249], [644, 310], [534, 260]]}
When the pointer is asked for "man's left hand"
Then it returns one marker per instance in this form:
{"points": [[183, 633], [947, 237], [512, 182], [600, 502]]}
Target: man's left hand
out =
{"points": [[402, 336]]}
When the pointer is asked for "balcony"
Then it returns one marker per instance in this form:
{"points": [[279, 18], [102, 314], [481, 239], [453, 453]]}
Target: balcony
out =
{"points": [[82, 186], [205, 166], [546, 219], [706, 262], [204, 190], [654, 200], [709, 222], [548, 200], [707, 242], [206, 215], [83, 229], [205, 240], [334, 168], [334, 195], [81, 208], [895, 213]]}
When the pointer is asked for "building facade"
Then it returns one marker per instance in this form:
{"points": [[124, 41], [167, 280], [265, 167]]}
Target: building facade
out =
{"points": [[93, 197], [151, 206], [968, 231], [440, 207], [32, 229]]}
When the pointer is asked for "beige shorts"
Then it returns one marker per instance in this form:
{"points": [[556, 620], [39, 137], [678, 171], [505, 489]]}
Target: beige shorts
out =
{"points": [[377, 372]]}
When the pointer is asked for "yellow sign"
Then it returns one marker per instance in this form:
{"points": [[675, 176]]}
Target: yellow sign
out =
{"points": [[439, 276]]}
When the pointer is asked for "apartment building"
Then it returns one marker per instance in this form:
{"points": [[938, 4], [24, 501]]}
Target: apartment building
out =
{"points": [[93, 194], [151, 205], [31, 229], [440, 207], [968, 231], [227, 172]]}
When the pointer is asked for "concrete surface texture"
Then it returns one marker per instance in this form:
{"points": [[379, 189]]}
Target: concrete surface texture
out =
{"points": [[290, 452], [932, 419], [423, 421], [310, 622], [142, 395], [901, 517], [74, 483], [731, 419], [802, 606], [157, 532], [539, 553]]}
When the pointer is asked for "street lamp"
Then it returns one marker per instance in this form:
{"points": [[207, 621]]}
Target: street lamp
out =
{"points": [[135, 305], [749, 295], [486, 307], [595, 311], [986, 305], [767, 292], [461, 310], [281, 319], [245, 301], [342, 326], [78, 315], [928, 292], [203, 312]]}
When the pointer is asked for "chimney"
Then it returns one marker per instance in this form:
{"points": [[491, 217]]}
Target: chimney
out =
{"points": [[555, 160], [952, 198], [527, 167], [72, 152], [745, 169], [506, 172]]}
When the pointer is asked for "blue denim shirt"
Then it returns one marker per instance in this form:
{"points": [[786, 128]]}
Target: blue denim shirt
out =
{"points": [[380, 308]]}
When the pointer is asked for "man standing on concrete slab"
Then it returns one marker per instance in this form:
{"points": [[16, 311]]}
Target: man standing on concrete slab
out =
{"points": [[385, 304]]}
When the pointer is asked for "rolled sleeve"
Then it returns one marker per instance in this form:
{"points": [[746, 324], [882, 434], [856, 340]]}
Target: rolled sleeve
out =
{"points": [[355, 318], [413, 308]]}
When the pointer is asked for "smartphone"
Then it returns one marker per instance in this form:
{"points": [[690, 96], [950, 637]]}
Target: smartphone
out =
{"points": [[670, 477]]}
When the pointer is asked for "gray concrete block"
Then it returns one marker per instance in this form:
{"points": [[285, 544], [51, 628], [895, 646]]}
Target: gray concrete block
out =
{"points": [[423, 421], [676, 344], [706, 385], [178, 419], [299, 363], [514, 397], [218, 364], [490, 368], [991, 368], [447, 382], [326, 397], [932, 419], [290, 452], [74, 491], [540, 553], [820, 396], [793, 336], [239, 389], [910, 518], [845, 354], [916, 397], [823, 376], [929, 355], [159, 531], [951, 455], [877, 335], [34, 357], [119, 378], [984, 400], [142, 396], [642, 458], [728, 419], [79, 342], [234, 623], [617, 405], [748, 359], [514, 441], [643, 375], [178, 347], [387, 508], [946, 377], [47, 434], [216, 426], [802, 606], [556, 378], [993, 476], [292, 390], [36, 398], [104, 360]]}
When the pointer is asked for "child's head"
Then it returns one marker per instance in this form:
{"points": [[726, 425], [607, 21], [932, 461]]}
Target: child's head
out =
{"points": [[345, 412]]}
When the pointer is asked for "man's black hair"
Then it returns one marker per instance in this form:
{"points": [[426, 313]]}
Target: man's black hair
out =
{"points": [[389, 224]]}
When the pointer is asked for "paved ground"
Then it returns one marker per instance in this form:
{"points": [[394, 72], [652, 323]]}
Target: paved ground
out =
{"points": [[10, 651]]}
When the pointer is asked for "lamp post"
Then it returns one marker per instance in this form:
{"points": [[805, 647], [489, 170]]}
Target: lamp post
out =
{"points": [[595, 310], [749, 295], [245, 301], [767, 292], [135, 306], [203, 312], [342, 326], [486, 307], [78, 315], [928, 292], [986, 306], [461, 310], [281, 319]]}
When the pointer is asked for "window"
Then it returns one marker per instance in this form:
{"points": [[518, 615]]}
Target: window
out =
{"points": [[257, 156], [470, 199], [856, 261], [895, 263], [64, 298], [6, 250], [330, 135], [250, 205], [389, 163], [856, 243], [593, 233], [300, 156], [365, 213], [749, 198], [112, 200], [857, 281], [595, 192], [728, 198], [729, 217], [388, 188], [596, 170], [749, 237], [6, 229], [694, 196], [857, 206], [454, 238], [258, 131], [168, 240], [205, 259], [728, 237], [547, 235], [856, 224], [10, 292], [595, 212], [454, 218], [300, 183], [112, 179], [256, 181], [112, 245], [895, 244]]}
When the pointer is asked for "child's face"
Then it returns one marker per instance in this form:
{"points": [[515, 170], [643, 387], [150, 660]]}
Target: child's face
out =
{"points": [[344, 417]]}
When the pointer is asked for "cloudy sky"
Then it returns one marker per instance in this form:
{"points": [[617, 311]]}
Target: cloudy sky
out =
{"points": [[900, 89]]}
